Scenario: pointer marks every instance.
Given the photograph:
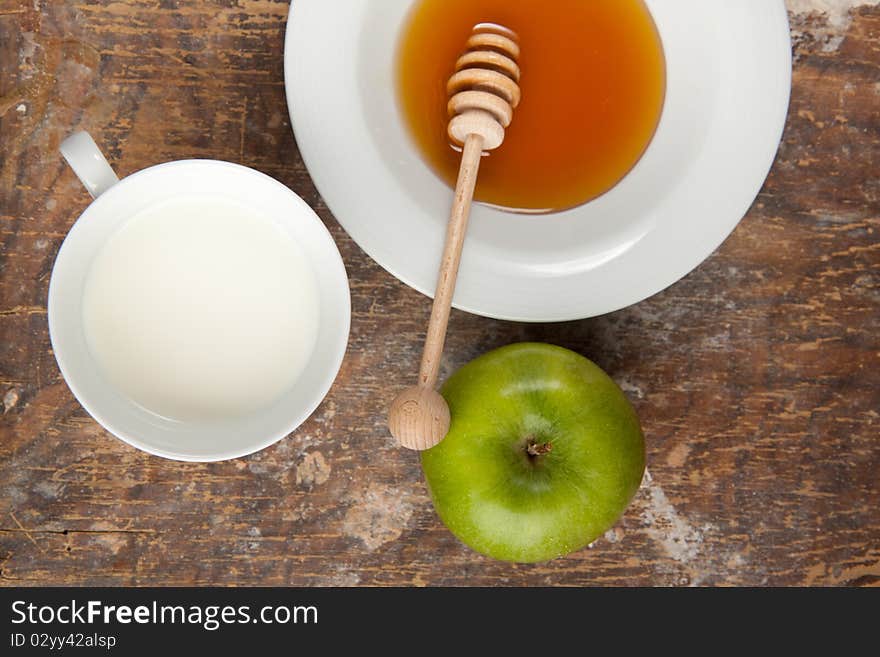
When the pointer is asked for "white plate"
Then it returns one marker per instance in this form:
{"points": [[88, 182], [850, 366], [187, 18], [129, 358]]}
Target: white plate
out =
{"points": [[728, 82]]}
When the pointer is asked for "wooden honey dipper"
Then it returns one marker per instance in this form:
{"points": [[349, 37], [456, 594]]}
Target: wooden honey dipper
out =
{"points": [[483, 92]]}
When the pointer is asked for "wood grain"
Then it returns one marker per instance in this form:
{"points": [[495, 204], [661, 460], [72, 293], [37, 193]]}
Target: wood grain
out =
{"points": [[757, 377]]}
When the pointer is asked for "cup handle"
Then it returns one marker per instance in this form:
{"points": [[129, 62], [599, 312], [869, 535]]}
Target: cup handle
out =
{"points": [[88, 163]]}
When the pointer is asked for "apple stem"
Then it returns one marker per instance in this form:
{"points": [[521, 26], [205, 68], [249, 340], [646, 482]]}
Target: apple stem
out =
{"points": [[534, 448]]}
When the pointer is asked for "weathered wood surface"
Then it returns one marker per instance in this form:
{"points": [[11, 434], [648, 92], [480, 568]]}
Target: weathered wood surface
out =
{"points": [[757, 377]]}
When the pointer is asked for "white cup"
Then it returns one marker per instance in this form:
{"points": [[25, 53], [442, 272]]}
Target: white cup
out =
{"points": [[118, 201]]}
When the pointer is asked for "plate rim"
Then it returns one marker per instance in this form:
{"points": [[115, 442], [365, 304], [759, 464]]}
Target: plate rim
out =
{"points": [[779, 108]]}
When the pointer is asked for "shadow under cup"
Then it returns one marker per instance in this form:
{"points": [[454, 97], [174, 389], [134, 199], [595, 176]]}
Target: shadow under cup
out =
{"points": [[203, 440]]}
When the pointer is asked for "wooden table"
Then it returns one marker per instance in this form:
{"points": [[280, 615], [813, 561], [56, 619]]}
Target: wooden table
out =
{"points": [[757, 377]]}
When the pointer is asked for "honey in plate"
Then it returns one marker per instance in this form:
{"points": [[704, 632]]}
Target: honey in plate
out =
{"points": [[593, 82]]}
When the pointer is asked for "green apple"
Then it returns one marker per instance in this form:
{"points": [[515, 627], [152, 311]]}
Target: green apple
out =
{"points": [[543, 455]]}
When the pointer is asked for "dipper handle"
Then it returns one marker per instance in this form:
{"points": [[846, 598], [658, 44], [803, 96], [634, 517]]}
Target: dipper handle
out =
{"points": [[455, 232], [483, 92]]}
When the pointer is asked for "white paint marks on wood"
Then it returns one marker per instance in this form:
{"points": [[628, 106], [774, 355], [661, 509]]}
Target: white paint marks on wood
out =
{"points": [[837, 16], [678, 538], [378, 516], [313, 469]]}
